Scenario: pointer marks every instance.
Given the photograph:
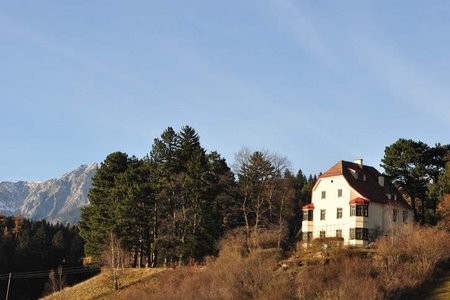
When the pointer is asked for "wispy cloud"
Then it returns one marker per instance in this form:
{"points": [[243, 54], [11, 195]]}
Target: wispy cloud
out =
{"points": [[409, 83], [294, 20], [403, 77]]}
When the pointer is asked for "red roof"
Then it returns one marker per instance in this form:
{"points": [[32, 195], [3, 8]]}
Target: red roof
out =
{"points": [[308, 206], [364, 179], [359, 200]]}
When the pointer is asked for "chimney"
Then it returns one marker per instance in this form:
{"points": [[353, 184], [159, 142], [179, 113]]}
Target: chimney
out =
{"points": [[381, 180], [359, 162]]}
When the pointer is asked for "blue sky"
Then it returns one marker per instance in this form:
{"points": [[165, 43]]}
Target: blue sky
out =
{"points": [[316, 81]]}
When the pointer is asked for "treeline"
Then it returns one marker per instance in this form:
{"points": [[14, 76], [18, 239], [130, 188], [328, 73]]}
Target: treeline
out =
{"points": [[27, 246], [173, 205]]}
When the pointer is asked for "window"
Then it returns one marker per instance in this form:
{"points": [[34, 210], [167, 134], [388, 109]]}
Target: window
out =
{"points": [[405, 216], [307, 236], [308, 215], [359, 210], [339, 192], [322, 234], [359, 234], [324, 194], [352, 233], [339, 213], [322, 214], [338, 232], [394, 215]]}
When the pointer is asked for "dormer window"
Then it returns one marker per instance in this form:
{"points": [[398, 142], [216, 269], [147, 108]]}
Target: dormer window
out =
{"points": [[339, 193], [360, 176], [324, 194]]}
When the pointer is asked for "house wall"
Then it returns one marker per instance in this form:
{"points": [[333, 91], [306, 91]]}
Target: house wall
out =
{"points": [[388, 213], [331, 202], [379, 220]]}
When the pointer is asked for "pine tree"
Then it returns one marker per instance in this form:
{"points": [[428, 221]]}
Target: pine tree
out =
{"points": [[99, 219]]}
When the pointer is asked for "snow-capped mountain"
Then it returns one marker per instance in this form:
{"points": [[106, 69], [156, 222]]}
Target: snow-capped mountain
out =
{"points": [[57, 200]]}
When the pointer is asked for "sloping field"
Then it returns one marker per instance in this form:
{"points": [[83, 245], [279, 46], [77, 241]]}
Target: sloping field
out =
{"points": [[100, 286]]}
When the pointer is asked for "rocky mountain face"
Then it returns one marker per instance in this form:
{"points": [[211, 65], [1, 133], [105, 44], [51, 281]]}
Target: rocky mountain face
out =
{"points": [[56, 200]]}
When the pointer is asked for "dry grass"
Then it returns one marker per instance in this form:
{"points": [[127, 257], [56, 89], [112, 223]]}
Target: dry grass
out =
{"points": [[235, 274], [100, 287], [398, 266], [406, 262]]}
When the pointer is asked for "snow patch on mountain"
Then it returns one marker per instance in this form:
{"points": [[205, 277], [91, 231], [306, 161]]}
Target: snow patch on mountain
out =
{"points": [[57, 200]]}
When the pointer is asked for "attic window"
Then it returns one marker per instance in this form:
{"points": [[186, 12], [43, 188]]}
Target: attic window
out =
{"points": [[324, 194], [360, 176]]}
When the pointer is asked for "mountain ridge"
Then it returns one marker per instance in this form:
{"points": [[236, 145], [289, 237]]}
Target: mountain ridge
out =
{"points": [[56, 200]]}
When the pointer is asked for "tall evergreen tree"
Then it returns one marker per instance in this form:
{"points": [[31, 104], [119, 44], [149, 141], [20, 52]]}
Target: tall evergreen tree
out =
{"points": [[415, 167], [99, 218]]}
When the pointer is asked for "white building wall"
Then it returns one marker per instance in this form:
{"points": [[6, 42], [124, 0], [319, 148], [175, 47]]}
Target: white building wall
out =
{"points": [[379, 220], [331, 185]]}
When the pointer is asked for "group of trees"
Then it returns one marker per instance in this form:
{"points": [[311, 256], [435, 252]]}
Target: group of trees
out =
{"points": [[27, 246], [173, 205], [269, 196], [422, 173]]}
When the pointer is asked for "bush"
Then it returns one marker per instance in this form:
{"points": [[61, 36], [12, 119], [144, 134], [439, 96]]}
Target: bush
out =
{"points": [[234, 274], [398, 266], [347, 278], [406, 261]]}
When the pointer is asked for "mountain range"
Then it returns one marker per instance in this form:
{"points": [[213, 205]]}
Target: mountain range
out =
{"points": [[56, 200]]}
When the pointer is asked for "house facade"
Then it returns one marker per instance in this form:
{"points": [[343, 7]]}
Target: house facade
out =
{"points": [[355, 202]]}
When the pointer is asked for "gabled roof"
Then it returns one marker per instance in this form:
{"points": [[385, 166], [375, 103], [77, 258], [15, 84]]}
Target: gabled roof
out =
{"points": [[364, 179]]}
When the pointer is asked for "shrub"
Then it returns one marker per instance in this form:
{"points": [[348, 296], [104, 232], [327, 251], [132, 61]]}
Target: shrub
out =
{"points": [[347, 278], [399, 265], [406, 261], [234, 274]]}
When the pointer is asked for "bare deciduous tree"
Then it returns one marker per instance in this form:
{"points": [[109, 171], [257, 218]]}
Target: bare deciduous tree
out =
{"points": [[114, 258], [262, 196]]}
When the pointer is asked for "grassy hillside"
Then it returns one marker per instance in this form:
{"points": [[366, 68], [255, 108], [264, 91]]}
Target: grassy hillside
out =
{"points": [[397, 267], [100, 287]]}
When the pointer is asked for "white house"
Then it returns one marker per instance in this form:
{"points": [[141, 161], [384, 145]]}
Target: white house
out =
{"points": [[355, 202]]}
